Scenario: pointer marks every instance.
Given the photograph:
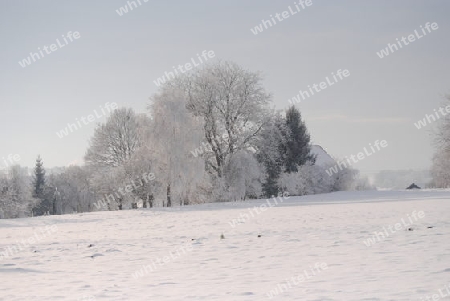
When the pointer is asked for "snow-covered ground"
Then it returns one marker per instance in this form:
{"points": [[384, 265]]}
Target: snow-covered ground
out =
{"points": [[303, 248]]}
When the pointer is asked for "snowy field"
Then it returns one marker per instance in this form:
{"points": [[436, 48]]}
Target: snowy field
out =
{"points": [[303, 248]]}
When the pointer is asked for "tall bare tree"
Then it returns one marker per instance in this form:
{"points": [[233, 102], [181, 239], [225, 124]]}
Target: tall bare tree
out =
{"points": [[233, 105], [116, 140]]}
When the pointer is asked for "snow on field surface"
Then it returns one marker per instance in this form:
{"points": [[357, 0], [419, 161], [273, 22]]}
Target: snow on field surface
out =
{"points": [[310, 248]]}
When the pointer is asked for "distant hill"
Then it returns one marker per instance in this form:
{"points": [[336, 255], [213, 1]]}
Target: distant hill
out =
{"points": [[323, 158]]}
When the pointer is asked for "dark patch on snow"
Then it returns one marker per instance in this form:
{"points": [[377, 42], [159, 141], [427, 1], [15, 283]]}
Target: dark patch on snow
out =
{"points": [[96, 255]]}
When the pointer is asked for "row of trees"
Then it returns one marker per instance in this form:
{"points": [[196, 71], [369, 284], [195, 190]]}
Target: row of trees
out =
{"points": [[22, 195], [252, 150]]}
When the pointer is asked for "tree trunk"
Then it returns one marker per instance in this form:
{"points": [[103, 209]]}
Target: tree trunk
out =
{"points": [[169, 201], [54, 206], [144, 202]]}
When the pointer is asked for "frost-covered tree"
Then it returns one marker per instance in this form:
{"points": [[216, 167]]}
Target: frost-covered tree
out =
{"points": [[174, 133], [440, 168], [271, 153], [116, 140], [16, 193], [109, 154], [345, 179], [309, 179], [363, 183], [4, 201], [313, 179], [231, 101], [141, 169], [242, 177], [74, 190], [442, 135], [109, 186]]}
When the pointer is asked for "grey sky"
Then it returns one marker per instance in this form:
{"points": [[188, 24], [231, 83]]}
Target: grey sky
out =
{"points": [[117, 58]]}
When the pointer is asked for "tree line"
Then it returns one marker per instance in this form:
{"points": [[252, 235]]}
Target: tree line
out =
{"points": [[254, 151]]}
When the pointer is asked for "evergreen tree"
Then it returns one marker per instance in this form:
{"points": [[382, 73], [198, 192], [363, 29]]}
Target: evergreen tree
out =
{"points": [[283, 147], [41, 192], [39, 178], [297, 147]]}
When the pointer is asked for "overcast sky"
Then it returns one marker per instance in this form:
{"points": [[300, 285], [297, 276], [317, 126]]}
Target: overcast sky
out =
{"points": [[117, 58]]}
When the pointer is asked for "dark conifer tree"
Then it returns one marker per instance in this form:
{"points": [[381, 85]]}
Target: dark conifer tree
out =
{"points": [[297, 142], [40, 191], [39, 178]]}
